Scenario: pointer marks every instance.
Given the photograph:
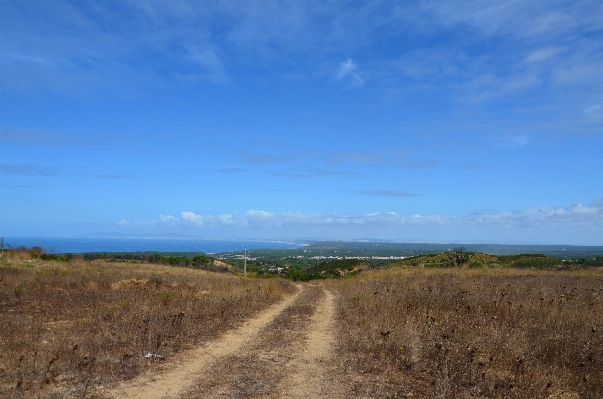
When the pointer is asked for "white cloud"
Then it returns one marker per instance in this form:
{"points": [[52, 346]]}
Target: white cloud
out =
{"points": [[576, 224], [347, 71], [191, 217], [345, 68]]}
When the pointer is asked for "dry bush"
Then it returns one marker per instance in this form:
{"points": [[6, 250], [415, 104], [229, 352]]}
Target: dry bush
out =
{"points": [[68, 328], [473, 333]]}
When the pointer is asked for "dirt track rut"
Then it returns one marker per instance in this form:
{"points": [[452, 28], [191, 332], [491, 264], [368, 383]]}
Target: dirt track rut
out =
{"points": [[285, 352], [308, 372]]}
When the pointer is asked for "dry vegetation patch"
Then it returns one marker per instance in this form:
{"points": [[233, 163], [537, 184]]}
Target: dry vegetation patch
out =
{"points": [[68, 328], [459, 258], [472, 333], [130, 283]]}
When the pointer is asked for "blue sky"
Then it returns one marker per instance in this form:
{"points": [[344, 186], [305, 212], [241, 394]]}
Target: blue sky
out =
{"points": [[408, 120]]}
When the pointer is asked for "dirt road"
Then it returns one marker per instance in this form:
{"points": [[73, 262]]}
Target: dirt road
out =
{"points": [[285, 352]]}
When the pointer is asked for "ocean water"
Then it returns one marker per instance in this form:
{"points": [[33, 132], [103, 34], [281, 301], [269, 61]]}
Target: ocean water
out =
{"points": [[62, 245]]}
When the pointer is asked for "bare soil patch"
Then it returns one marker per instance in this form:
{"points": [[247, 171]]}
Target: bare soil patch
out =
{"points": [[129, 283], [312, 371], [258, 368]]}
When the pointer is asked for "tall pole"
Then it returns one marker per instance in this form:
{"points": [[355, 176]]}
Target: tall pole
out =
{"points": [[245, 264]]}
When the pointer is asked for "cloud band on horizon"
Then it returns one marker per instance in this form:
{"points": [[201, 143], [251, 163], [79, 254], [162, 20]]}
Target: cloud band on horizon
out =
{"points": [[532, 224]]}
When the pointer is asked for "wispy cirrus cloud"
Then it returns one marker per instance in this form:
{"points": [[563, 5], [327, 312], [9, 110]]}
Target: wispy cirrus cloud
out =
{"points": [[332, 162], [310, 173], [345, 68], [544, 53], [269, 159], [115, 176], [592, 109], [231, 170], [208, 59], [348, 72], [361, 157], [280, 32], [30, 170], [43, 137], [509, 142], [32, 136], [471, 165], [392, 157], [318, 164], [386, 193]]}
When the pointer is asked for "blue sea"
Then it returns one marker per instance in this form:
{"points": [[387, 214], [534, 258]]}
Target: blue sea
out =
{"points": [[61, 245]]}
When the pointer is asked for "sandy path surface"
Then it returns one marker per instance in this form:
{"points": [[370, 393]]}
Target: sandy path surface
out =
{"points": [[310, 371], [270, 366], [196, 362]]}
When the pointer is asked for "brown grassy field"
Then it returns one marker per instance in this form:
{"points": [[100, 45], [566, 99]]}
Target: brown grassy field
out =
{"points": [[69, 328], [75, 328], [472, 333]]}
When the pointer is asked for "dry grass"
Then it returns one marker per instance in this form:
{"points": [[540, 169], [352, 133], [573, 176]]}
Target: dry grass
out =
{"points": [[69, 328], [472, 333]]}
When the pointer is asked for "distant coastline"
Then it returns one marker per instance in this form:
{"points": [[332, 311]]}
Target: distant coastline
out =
{"points": [[76, 245]]}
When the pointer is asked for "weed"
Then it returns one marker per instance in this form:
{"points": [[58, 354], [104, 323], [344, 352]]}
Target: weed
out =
{"points": [[165, 297], [19, 289]]}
